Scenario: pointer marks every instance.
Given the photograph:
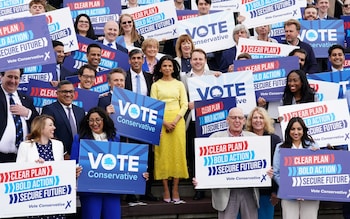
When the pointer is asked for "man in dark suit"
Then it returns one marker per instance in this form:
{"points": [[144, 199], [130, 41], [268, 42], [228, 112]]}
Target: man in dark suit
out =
{"points": [[62, 110], [140, 82], [61, 71], [23, 107]]}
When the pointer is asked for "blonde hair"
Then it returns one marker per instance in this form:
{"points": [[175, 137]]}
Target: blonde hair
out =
{"points": [[268, 127], [149, 42], [38, 124], [134, 34], [180, 40]]}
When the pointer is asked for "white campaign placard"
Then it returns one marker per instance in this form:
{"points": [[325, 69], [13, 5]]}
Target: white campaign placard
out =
{"points": [[232, 162], [37, 189], [157, 20], [236, 84], [264, 12], [61, 28], [14, 9], [328, 121], [219, 5], [212, 32], [261, 49], [325, 90]]}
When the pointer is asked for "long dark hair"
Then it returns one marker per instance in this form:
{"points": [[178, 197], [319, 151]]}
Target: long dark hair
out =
{"points": [[305, 139], [158, 75], [108, 124], [90, 33], [307, 93]]}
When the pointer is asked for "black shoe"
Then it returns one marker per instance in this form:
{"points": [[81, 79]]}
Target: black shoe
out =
{"points": [[149, 197], [131, 198], [198, 195]]}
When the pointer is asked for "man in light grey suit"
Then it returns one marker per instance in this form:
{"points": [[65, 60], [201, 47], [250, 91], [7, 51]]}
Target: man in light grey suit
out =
{"points": [[229, 202]]}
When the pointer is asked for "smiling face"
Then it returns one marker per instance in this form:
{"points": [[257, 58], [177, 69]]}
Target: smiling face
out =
{"points": [[186, 48], [117, 80], [126, 24], [48, 129], [151, 50], [198, 61], [296, 133], [59, 50], [87, 79], [294, 82], [167, 68], [136, 62], [83, 25], [235, 121], [94, 56], [96, 123], [111, 31], [337, 58], [310, 14], [322, 6], [65, 94], [258, 122], [346, 8], [10, 80]]}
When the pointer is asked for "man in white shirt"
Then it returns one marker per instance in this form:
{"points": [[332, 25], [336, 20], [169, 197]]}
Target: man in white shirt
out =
{"points": [[22, 106], [111, 32]]}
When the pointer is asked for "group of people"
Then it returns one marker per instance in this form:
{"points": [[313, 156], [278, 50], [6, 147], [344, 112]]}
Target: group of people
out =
{"points": [[26, 136]]}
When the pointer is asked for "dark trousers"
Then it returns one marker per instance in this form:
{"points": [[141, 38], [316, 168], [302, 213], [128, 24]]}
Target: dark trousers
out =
{"points": [[7, 158]]}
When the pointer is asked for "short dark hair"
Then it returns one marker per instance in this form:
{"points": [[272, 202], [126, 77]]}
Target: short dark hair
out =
{"points": [[200, 51], [63, 82], [20, 70], [135, 51], [335, 46], [92, 45], [57, 43], [300, 50], [207, 1], [86, 66]]}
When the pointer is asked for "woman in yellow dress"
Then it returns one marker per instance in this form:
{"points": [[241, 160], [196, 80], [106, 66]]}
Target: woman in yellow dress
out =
{"points": [[170, 156]]}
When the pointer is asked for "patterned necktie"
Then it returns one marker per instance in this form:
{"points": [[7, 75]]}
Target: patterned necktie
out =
{"points": [[18, 124], [71, 121], [138, 84]]}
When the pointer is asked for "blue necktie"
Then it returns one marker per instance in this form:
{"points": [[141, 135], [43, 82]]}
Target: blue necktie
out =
{"points": [[18, 124], [138, 84], [71, 121], [109, 44]]}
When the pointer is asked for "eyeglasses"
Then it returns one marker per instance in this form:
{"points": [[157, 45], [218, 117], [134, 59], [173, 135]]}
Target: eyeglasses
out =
{"points": [[98, 121], [346, 5], [236, 117], [66, 91], [88, 77], [125, 22]]}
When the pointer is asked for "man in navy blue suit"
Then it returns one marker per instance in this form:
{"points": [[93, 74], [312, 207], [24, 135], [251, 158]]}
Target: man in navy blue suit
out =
{"points": [[61, 111], [23, 107]]}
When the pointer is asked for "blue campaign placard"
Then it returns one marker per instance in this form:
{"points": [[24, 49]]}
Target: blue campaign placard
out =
{"points": [[211, 115], [99, 11], [137, 116], [269, 75], [43, 93], [112, 167], [314, 175], [322, 34], [346, 20], [25, 42], [110, 58], [341, 77]]}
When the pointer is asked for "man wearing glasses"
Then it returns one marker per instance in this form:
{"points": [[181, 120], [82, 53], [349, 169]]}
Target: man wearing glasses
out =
{"points": [[87, 76], [67, 115], [229, 202]]}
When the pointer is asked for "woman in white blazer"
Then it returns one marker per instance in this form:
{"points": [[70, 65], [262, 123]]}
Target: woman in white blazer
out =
{"points": [[40, 145]]}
